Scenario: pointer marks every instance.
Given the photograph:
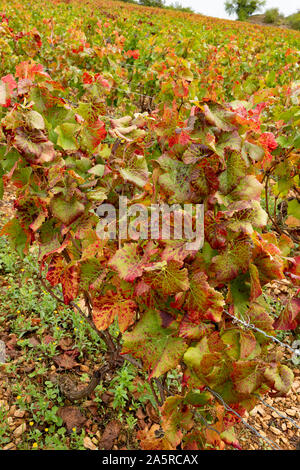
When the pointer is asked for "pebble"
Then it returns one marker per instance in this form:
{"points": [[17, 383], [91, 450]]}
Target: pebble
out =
{"points": [[88, 444], [275, 430], [19, 430], [291, 412], [9, 446], [258, 409], [2, 352], [284, 440], [12, 410], [19, 413]]}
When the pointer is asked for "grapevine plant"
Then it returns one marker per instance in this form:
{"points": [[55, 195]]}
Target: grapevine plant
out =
{"points": [[174, 308]]}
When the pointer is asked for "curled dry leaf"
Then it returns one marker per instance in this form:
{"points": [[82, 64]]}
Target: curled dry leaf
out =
{"points": [[72, 417], [110, 434]]}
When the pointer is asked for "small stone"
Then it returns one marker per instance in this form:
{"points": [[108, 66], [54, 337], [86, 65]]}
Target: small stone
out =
{"points": [[2, 352], [94, 440], [9, 446], [296, 385], [12, 410], [19, 413], [10, 421], [258, 409], [19, 430], [88, 444], [275, 430], [283, 427], [253, 412], [291, 412]]}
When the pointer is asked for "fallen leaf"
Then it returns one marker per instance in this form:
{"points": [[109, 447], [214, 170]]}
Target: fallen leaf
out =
{"points": [[66, 344], [140, 414], [106, 397], [111, 433], [48, 339], [152, 413], [65, 361], [72, 417], [33, 341]]}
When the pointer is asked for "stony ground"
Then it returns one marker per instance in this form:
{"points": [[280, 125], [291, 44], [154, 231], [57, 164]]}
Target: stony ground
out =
{"points": [[271, 425]]}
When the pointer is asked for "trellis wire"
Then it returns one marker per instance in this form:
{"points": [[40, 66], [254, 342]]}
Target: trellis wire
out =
{"points": [[250, 325], [208, 426], [252, 429], [115, 88]]}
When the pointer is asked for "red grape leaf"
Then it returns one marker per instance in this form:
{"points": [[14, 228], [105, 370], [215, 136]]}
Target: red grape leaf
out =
{"points": [[280, 378], [247, 376], [234, 259], [289, 318], [158, 347], [107, 307]]}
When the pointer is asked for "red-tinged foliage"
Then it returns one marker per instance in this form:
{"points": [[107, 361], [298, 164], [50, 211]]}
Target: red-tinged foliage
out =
{"points": [[289, 317], [122, 105]]}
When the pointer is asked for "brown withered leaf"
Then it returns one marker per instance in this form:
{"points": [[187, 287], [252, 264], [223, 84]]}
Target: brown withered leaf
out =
{"points": [[152, 413], [72, 417], [48, 339], [66, 344], [141, 418], [65, 361], [11, 347], [140, 414], [111, 433], [33, 340], [107, 397]]}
